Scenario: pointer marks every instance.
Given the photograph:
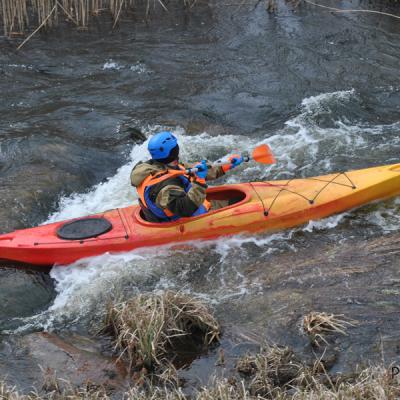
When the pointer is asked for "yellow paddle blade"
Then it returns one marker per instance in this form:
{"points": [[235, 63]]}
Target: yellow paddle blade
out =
{"points": [[263, 155]]}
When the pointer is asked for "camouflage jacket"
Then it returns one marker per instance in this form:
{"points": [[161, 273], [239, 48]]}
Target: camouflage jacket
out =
{"points": [[170, 193]]}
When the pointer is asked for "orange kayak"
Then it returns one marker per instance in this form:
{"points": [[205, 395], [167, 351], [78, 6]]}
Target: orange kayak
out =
{"points": [[258, 207]]}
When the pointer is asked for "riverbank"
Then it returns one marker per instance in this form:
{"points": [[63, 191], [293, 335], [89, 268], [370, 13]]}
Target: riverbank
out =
{"points": [[150, 332], [18, 16], [375, 383]]}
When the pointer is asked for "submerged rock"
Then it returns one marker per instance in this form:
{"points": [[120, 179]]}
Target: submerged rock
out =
{"points": [[76, 360]]}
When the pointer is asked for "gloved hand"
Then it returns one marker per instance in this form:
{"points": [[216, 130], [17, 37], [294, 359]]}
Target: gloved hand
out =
{"points": [[202, 171], [235, 159]]}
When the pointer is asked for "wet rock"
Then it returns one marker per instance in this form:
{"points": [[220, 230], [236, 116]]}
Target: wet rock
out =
{"points": [[20, 194], [195, 127], [76, 360], [39, 171], [22, 294], [128, 130]]}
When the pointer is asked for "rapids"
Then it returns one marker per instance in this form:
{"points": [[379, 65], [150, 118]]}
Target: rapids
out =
{"points": [[322, 89]]}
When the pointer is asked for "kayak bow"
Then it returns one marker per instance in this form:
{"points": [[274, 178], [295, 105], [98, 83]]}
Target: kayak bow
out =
{"points": [[259, 206]]}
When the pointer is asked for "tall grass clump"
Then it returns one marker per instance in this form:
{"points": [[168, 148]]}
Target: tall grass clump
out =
{"points": [[269, 370], [317, 325], [18, 15], [147, 327]]}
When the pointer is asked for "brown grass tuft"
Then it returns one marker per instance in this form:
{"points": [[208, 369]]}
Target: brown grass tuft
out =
{"points": [[8, 393], [146, 327], [317, 325], [374, 383], [224, 389], [272, 368]]}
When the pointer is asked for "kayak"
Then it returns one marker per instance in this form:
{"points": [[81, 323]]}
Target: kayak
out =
{"points": [[254, 207]]}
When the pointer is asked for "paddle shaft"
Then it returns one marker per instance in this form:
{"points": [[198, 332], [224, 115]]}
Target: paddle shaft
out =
{"points": [[216, 164]]}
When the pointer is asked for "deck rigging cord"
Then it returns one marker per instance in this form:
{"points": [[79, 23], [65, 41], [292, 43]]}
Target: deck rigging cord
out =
{"points": [[312, 200]]}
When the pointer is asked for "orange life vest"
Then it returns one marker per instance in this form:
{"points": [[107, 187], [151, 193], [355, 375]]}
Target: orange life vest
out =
{"points": [[154, 179]]}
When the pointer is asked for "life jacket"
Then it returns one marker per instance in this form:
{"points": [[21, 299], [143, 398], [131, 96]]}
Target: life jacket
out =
{"points": [[165, 214]]}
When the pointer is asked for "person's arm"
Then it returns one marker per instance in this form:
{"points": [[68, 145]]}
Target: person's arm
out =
{"points": [[180, 203], [214, 172]]}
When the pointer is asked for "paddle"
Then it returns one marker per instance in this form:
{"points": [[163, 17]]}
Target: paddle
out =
{"points": [[261, 154]]}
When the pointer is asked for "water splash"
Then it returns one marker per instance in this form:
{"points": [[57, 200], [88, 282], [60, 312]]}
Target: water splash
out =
{"points": [[326, 223], [138, 67], [110, 64]]}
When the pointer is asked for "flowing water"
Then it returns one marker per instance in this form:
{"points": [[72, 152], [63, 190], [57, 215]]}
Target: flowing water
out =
{"points": [[322, 89]]}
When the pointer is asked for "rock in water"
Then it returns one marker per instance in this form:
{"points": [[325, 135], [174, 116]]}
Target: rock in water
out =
{"points": [[77, 361]]}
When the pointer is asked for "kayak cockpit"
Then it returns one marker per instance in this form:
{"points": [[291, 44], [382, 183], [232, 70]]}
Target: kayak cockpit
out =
{"points": [[230, 196], [220, 197]]}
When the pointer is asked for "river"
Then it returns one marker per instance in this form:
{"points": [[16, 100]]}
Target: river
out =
{"points": [[322, 89]]}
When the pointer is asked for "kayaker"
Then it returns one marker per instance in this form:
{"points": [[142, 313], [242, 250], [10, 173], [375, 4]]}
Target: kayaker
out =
{"points": [[166, 192]]}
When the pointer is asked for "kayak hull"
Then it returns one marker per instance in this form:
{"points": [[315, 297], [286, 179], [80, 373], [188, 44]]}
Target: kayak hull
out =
{"points": [[260, 207]]}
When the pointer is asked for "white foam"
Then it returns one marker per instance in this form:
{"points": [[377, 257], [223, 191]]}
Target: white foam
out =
{"points": [[314, 104], [110, 64], [115, 192], [23, 66], [387, 218], [326, 223], [138, 67]]}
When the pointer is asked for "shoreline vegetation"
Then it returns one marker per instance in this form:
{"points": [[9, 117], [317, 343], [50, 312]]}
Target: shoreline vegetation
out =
{"points": [[21, 16], [149, 330], [18, 16], [374, 383]]}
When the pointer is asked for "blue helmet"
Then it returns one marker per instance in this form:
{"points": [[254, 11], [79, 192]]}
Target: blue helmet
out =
{"points": [[161, 145]]}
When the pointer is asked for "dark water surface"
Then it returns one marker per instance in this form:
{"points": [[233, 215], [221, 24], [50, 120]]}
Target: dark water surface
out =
{"points": [[322, 89]]}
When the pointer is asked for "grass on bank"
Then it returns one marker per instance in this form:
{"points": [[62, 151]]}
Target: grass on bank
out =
{"points": [[19, 15], [374, 383], [147, 327]]}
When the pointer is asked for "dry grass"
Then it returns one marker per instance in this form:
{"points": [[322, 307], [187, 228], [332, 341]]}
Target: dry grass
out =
{"points": [[7, 392], [154, 393], [274, 373], [146, 327], [374, 383], [270, 370], [224, 389], [17, 14], [317, 325], [55, 393]]}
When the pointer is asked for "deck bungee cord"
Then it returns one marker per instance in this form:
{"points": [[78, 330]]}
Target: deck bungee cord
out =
{"points": [[311, 201]]}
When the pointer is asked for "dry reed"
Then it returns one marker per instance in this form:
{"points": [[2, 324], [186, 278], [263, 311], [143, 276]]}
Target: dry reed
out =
{"points": [[55, 393], [146, 327], [17, 15], [374, 383], [317, 325]]}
